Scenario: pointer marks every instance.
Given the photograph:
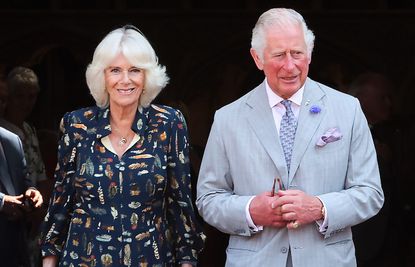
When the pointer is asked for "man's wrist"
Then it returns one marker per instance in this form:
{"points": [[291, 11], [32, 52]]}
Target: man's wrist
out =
{"points": [[322, 210], [252, 227]]}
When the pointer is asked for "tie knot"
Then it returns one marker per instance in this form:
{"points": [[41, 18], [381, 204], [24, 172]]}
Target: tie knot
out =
{"points": [[287, 104]]}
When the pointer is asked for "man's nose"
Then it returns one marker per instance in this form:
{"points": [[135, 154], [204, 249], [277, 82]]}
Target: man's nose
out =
{"points": [[289, 62]]}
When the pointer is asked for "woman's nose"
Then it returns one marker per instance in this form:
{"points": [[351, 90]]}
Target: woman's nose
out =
{"points": [[125, 78]]}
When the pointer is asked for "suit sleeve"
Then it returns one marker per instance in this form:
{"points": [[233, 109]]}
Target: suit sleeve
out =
{"points": [[56, 222], [217, 203], [362, 196], [188, 238], [17, 169]]}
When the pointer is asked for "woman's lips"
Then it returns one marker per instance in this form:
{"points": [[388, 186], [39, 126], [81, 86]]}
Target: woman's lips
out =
{"points": [[125, 91]]}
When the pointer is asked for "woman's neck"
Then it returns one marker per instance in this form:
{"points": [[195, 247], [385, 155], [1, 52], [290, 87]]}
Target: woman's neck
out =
{"points": [[121, 120], [122, 117]]}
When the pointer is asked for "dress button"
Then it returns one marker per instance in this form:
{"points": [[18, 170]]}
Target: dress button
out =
{"points": [[284, 250]]}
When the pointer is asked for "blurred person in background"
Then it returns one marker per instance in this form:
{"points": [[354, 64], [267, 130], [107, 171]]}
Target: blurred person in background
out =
{"points": [[18, 198], [23, 88], [375, 93], [4, 94]]}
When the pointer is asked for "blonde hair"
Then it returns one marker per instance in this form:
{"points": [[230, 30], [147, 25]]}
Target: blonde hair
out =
{"points": [[129, 41]]}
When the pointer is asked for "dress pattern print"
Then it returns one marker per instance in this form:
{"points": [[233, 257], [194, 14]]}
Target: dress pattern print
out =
{"points": [[130, 211]]}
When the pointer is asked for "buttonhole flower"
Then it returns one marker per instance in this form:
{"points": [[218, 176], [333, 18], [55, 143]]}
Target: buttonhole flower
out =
{"points": [[315, 109]]}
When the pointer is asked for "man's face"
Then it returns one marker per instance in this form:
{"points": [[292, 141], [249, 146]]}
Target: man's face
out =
{"points": [[285, 60]]}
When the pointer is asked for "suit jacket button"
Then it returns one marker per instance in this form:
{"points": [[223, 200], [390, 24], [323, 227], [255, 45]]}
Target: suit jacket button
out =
{"points": [[284, 250]]}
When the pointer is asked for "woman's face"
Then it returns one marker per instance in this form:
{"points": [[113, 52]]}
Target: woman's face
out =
{"points": [[124, 82]]}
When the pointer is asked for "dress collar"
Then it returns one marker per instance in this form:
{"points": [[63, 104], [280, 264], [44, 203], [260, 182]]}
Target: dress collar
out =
{"points": [[139, 124]]}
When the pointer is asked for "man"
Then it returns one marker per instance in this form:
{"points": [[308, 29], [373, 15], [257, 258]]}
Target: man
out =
{"points": [[23, 88], [16, 199], [314, 139]]}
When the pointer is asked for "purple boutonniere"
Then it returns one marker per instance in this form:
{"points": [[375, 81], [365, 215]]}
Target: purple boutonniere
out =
{"points": [[315, 109]]}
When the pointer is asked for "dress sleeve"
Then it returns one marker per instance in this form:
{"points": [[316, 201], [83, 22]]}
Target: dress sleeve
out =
{"points": [[187, 234], [56, 223]]}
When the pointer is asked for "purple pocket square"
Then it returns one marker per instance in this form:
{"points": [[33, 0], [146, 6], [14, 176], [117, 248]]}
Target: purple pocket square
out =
{"points": [[332, 135]]}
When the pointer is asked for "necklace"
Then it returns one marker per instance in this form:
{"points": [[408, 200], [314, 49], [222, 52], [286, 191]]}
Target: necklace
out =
{"points": [[122, 136], [122, 141]]}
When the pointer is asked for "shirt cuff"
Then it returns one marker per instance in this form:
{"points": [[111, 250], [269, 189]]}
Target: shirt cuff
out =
{"points": [[1, 200], [252, 227], [323, 224]]}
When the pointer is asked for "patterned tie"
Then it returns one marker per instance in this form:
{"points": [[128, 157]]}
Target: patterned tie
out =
{"points": [[287, 131]]}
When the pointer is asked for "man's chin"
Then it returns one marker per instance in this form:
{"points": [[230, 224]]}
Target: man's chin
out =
{"points": [[288, 90]]}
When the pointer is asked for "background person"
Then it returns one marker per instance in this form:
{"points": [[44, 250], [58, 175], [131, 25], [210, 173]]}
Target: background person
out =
{"points": [[17, 198], [375, 94], [4, 94], [23, 88]]}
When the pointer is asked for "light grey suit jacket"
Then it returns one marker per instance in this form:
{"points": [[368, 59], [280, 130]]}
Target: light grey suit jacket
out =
{"points": [[243, 155]]}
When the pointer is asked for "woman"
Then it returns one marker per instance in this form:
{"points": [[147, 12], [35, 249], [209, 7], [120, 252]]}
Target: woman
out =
{"points": [[122, 196]]}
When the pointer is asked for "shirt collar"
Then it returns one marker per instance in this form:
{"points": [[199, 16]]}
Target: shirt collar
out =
{"points": [[274, 99]]}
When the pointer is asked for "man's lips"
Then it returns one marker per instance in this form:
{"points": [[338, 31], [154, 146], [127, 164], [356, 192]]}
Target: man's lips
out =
{"points": [[290, 78]]}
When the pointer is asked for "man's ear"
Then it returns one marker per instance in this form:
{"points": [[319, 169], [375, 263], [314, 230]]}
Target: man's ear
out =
{"points": [[257, 59]]}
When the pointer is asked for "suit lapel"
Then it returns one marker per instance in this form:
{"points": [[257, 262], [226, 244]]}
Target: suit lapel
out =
{"points": [[5, 178], [308, 122], [259, 115]]}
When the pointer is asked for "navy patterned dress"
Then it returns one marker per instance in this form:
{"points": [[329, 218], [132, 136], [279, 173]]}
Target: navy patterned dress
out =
{"points": [[130, 211]]}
